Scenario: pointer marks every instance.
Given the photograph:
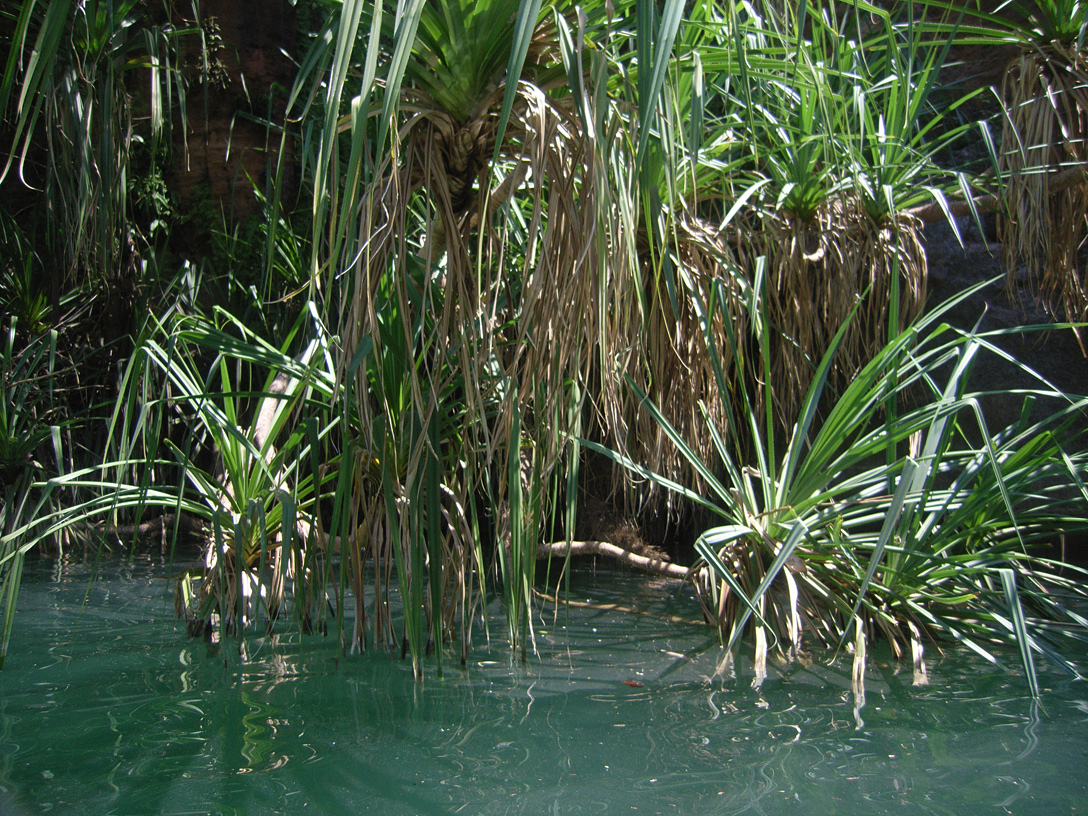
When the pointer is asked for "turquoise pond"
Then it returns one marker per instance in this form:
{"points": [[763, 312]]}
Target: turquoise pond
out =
{"points": [[107, 707]]}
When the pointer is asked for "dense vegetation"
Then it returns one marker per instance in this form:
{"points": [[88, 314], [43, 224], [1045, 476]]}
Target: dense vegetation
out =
{"points": [[383, 351]]}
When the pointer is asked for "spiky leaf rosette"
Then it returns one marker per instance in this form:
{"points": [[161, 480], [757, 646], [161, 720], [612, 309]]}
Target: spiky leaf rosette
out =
{"points": [[896, 513]]}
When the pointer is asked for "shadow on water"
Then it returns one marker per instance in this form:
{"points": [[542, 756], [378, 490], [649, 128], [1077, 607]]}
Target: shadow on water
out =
{"points": [[107, 707]]}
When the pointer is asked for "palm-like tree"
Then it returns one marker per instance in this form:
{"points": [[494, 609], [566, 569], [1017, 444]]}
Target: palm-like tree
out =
{"points": [[470, 239], [513, 246]]}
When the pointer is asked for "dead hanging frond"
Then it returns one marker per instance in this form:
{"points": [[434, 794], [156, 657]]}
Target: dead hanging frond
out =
{"points": [[472, 281], [1045, 131], [676, 332], [818, 271]]}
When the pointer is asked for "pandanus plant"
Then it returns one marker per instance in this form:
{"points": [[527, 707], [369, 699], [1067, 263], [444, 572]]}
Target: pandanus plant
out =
{"points": [[842, 134], [463, 292], [1044, 150], [496, 188], [901, 515]]}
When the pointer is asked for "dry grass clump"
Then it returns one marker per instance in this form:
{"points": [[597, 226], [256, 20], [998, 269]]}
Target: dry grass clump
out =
{"points": [[1044, 135], [818, 271], [672, 351]]}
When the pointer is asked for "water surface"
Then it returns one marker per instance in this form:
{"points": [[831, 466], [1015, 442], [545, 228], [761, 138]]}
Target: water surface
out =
{"points": [[106, 707]]}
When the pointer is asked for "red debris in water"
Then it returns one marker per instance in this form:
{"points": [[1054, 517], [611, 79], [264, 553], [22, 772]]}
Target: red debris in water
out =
{"points": [[632, 683]]}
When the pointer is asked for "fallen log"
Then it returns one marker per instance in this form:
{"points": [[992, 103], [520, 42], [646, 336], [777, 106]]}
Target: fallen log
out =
{"points": [[653, 566]]}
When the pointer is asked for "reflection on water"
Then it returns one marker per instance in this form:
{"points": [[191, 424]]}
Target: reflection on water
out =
{"points": [[107, 707]]}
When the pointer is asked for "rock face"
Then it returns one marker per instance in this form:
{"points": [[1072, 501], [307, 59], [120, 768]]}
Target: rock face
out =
{"points": [[246, 79], [1056, 355]]}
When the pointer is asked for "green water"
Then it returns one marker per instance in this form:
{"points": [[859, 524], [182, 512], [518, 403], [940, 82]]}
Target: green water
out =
{"points": [[106, 707]]}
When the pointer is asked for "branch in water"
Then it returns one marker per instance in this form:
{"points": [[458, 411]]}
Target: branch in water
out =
{"points": [[654, 566]]}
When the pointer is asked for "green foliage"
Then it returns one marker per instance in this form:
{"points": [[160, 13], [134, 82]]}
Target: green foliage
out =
{"points": [[1039, 163], [678, 230], [897, 512], [1060, 22], [260, 497], [64, 85], [29, 430], [22, 295]]}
